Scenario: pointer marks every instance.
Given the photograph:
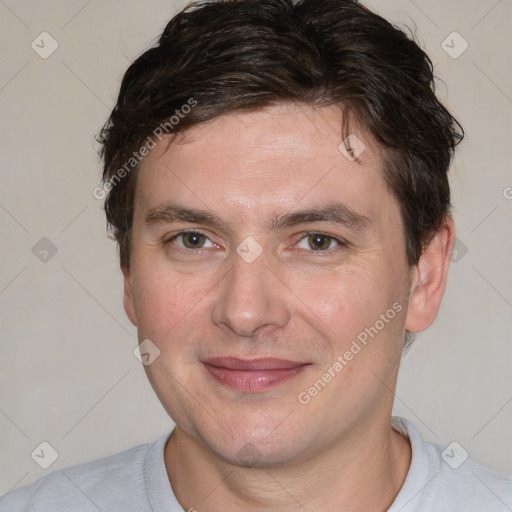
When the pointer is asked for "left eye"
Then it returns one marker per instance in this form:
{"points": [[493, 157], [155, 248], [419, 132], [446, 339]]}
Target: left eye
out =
{"points": [[318, 242], [191, 240]]}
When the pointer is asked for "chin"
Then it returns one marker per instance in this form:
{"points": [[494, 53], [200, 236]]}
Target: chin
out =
{"points": [[256, 448], [252, 455]]}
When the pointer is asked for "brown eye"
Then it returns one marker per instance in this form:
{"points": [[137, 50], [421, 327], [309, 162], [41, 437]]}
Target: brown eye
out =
{"points": [[318, 242], [192, 240]]}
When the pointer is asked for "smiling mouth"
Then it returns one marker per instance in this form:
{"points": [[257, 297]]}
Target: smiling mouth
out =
{"points": [[252, 375]]}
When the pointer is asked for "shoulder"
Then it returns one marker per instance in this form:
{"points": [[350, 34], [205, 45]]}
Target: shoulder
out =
{"points": [[111, 483], [446, 478], [464, 481]]}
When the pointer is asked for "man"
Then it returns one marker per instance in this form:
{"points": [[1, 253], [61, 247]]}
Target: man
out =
{"points": [[277, 184]]}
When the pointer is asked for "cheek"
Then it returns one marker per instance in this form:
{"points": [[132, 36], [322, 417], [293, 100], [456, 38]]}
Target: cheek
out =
{"points": [[165, 302], [346, 303]]}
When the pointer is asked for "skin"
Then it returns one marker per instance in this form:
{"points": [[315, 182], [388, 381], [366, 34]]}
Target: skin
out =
{"points": [[337, 452]]}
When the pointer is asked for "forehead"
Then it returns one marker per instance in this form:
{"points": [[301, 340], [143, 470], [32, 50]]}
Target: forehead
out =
{"points": [[278, 157]]}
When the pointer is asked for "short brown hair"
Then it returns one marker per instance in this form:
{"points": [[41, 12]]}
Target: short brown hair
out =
{"points": [[242, 55]]}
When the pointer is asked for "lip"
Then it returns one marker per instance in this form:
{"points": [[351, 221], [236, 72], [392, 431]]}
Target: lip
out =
{"points": [[252, 375]]}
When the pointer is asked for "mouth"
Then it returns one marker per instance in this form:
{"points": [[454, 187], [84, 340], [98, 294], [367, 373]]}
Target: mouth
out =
{"points": [[252, 375]]}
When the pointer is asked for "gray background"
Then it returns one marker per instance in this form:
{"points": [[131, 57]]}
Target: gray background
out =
{"points": [[68, 375]]}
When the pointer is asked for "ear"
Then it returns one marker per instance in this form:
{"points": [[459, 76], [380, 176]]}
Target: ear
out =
{"points": [[428, 279], [128, 296]]}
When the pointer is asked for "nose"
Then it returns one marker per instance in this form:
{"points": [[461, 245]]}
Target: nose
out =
{"points": [[251, 299]]}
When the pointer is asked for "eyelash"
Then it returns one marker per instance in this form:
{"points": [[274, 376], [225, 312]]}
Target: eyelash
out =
{"points": [[340, 243], [189, 231]]}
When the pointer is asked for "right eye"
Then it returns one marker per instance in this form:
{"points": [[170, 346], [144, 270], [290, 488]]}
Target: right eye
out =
{"points": [[191, 240]]}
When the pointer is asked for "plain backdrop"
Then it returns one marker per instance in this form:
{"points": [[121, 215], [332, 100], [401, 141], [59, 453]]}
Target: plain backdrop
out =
{"points": [[68, 375]]}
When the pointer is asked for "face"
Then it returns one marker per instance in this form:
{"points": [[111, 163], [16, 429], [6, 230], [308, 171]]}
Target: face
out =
{"points": [[269, 269]]}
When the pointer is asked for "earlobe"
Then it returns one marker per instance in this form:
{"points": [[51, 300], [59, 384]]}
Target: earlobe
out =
{"points": [[128, 296], [428, 280]]}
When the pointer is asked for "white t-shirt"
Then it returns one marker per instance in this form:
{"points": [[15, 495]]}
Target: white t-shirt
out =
{"points": [[136, 481]]}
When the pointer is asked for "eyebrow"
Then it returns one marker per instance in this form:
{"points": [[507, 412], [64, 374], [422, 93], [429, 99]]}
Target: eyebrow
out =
{"points": [[172, 212], [334, 213]]}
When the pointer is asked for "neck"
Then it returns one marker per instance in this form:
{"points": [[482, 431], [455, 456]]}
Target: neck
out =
{"points": [[360, 473]]}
